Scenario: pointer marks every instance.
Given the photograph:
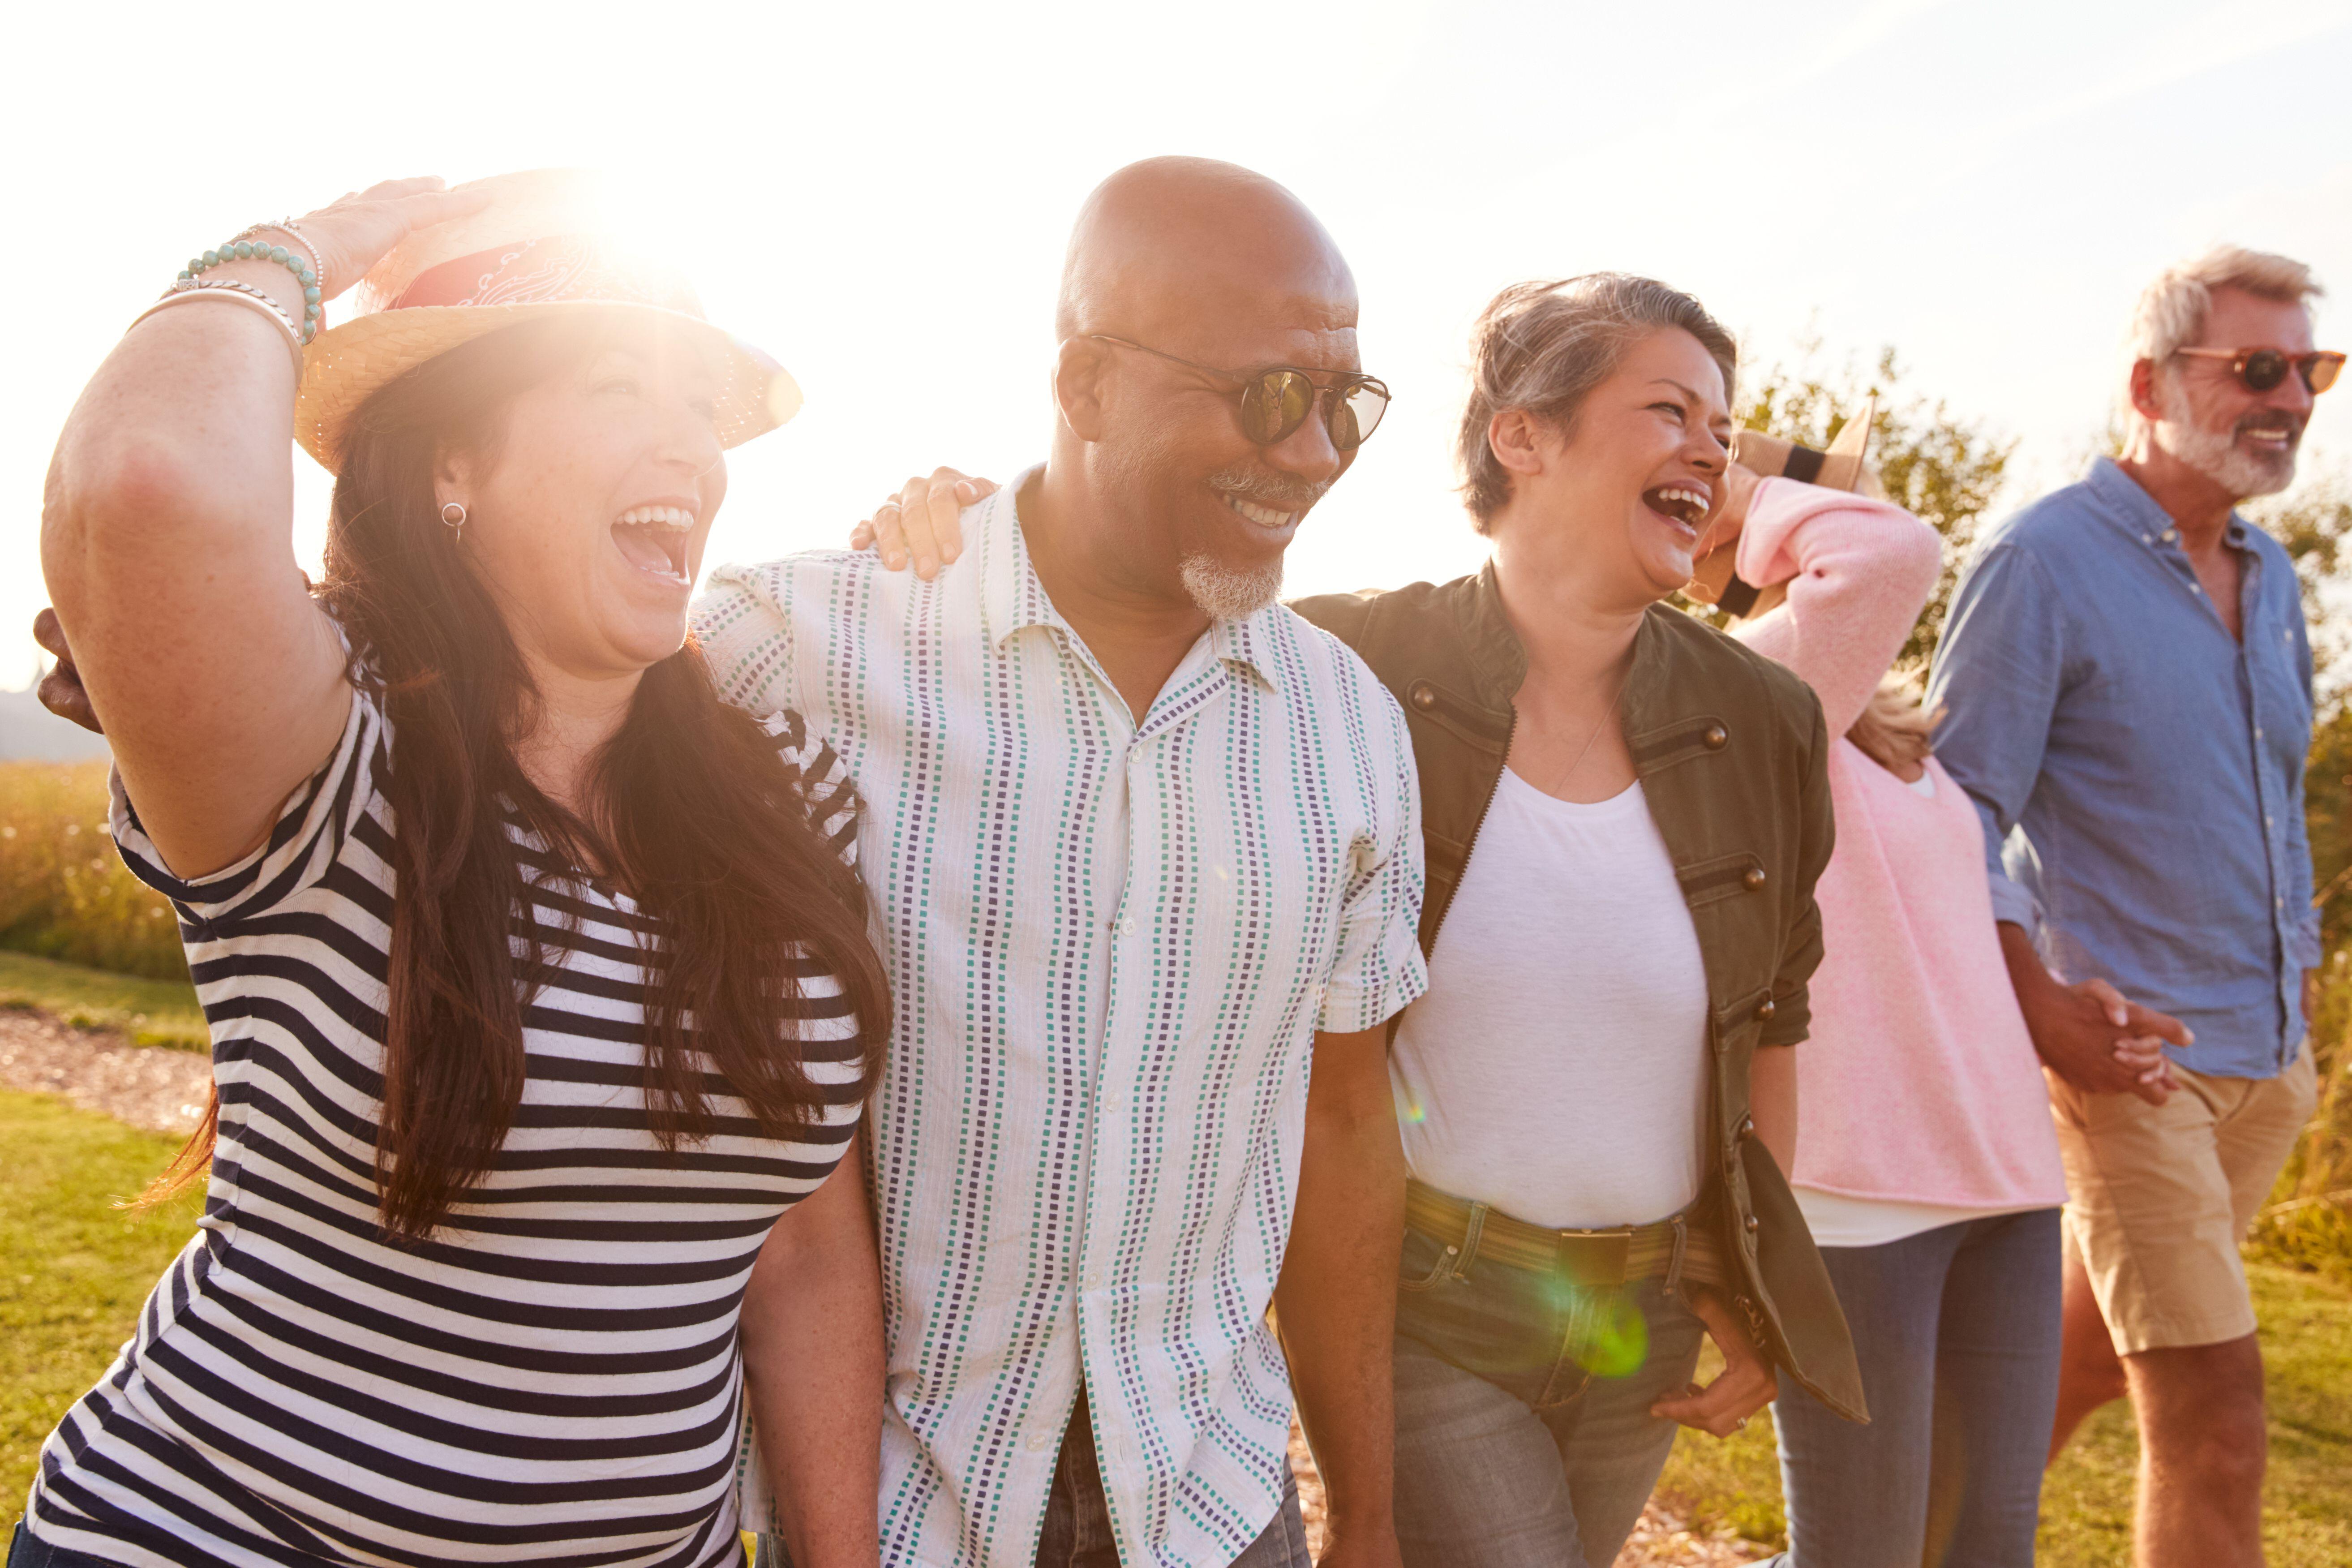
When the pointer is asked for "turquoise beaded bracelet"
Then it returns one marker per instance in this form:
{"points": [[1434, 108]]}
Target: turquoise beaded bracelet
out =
{"points": [[254, 250]]}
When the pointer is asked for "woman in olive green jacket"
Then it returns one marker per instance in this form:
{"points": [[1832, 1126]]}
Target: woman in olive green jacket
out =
{"points": [[1624, 813]]}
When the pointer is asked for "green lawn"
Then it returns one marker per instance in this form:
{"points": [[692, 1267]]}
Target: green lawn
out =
{"points": [[77, 1268], [150, 1012], [2086, 1503]]}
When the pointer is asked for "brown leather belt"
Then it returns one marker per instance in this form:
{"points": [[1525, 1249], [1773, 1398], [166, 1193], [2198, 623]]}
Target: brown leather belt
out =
{"points": [[1594, 1257]]}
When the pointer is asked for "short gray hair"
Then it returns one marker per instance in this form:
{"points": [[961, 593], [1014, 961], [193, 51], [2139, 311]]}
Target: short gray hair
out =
{"points": [[2172, 310], [1543, 347]]}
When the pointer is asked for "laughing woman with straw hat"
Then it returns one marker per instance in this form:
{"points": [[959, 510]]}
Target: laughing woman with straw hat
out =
{"points": [[542, 1002]]}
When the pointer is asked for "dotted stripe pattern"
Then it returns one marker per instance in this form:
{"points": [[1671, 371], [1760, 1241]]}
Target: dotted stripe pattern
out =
{"points": [[1111, 945]]}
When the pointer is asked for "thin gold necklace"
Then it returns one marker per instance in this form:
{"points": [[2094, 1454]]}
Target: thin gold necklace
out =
{"points": [[1590, 740]]}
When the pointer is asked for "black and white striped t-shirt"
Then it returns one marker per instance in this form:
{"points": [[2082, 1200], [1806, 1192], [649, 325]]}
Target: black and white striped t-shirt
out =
{"points": [[554, 1378]]}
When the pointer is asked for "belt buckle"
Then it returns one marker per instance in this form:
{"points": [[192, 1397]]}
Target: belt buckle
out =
{"points": [[1595, 1259]]}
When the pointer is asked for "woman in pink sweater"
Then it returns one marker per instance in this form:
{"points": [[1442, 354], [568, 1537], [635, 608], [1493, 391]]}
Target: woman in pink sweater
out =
{"points": [[1926, 1163]]}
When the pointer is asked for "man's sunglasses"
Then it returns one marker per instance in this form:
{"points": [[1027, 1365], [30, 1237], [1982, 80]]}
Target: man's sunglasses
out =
{"points": [[1276, 401], [2259, 370]]}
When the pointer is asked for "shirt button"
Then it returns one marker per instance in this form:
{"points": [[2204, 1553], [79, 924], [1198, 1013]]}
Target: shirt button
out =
{"points": [[1753, 877], [2171, 534], [1038, 1442], [1127, 926], [1093, 1280], [1115, 1099]]}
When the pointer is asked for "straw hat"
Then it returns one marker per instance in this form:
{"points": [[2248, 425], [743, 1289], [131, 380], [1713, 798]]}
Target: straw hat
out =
{"points": [[536, 250], [1842, 468]]}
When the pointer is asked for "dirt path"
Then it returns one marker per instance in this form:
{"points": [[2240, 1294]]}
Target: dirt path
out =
{"points": [[164, 1091], [151, 1086]]}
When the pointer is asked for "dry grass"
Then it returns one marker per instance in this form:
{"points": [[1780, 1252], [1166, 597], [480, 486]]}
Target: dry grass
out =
{"points": [[64, 892]]}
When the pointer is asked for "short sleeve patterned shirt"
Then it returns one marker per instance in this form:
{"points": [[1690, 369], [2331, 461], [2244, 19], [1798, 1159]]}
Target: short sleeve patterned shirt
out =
{"points": [[1111, 945]]}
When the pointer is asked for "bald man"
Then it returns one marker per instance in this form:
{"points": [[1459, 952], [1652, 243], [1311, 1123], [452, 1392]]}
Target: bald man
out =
{"points": [[1145, 846]]}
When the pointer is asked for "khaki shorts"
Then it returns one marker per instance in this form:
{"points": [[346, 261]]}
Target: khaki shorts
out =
{"points": [[2159, 1197]]}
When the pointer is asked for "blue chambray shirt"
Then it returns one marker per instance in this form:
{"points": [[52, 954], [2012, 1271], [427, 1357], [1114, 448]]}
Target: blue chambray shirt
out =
{"points": [[2140, 773]]}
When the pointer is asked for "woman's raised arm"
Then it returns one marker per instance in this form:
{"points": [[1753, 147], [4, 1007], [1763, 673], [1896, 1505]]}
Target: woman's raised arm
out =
{"points": [[1858, 571], [167, 542]]}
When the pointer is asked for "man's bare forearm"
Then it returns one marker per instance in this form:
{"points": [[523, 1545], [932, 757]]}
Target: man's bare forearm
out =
{"points": [[1336, 1300]]}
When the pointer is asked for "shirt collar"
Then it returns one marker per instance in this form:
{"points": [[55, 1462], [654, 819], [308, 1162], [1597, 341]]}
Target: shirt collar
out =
{"points": [[1011, 598], [2133, 510]]}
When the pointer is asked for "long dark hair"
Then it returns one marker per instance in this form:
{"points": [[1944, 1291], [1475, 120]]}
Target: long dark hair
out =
{"points": [[694, 815]]}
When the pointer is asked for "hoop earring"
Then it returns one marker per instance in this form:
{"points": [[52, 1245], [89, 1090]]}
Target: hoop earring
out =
{"points": [[456, 523]]}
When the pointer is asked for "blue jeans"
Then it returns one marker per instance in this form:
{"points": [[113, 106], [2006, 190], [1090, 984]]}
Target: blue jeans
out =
{"points": [[1957, 1332], [26, 1550], [1524, 1433]]}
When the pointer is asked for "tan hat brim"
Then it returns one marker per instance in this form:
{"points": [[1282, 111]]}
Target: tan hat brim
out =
{"points": [[345, 366]]}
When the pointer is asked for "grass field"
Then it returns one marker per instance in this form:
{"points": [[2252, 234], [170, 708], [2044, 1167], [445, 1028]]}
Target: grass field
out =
{"points": [[147, 1011], [77, 1268], [64, 892], [2087, 1502]]}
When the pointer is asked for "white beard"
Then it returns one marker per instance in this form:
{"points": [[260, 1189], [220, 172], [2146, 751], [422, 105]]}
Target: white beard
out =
{"points": [[1228, 592], [2216, 453]]}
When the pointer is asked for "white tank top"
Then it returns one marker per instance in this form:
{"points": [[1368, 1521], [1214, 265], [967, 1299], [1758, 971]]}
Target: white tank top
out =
{"points": [[1557, 1067]]}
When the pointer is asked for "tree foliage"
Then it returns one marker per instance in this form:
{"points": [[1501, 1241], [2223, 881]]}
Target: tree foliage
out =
{"points": [[1942, 469]]}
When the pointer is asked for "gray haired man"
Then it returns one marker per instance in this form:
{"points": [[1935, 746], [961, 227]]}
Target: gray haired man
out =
{"points": [[2127, 688]]}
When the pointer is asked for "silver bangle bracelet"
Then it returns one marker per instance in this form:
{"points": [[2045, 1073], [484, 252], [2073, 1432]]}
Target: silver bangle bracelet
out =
{"points": [[244, 295]]}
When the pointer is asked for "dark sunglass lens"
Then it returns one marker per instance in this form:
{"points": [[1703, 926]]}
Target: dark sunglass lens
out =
{"points": [[2264, 368], [1275, 405], [2320, 371]]}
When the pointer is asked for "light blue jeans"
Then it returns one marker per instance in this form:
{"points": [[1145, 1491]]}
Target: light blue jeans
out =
{"points": [[1524, 1432], [1956, 1332]]}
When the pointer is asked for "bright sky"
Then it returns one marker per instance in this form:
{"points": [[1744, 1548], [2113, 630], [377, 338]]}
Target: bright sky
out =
{"points": [[879, 194]]}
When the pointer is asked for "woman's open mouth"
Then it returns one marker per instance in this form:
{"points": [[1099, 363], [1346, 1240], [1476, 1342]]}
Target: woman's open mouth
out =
{"points": [[653, 540], [1682, 503]]}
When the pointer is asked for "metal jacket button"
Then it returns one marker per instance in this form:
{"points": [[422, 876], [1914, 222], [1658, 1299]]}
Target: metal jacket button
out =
{"points": [[1764, 1009], [1754, 1225], [1717, 736], [1753, 877], [1423, 695], [1747, 1126]]}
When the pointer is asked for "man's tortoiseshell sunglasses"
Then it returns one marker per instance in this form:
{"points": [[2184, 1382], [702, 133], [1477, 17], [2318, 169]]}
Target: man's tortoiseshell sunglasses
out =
{"points": [[2259, 370], [1276, 400]]}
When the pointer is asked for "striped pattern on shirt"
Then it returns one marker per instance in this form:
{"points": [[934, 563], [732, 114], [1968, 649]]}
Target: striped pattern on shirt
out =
{"points": [[552, 1378], [1111, 942]]}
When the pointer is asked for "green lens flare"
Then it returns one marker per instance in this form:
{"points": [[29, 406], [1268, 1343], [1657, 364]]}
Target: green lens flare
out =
{"points": [[1617, 1341]]}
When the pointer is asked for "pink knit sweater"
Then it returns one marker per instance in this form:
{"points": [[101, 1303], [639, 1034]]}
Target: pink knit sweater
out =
{"points": [[1919, 1083]]}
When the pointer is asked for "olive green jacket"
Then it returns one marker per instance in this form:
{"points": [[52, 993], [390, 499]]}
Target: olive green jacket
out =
{"points": [[1732, 758]]}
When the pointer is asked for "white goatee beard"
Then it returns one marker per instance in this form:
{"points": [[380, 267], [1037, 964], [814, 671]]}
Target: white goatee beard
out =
{"points": [[1230, 592], [2216, 453]]}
